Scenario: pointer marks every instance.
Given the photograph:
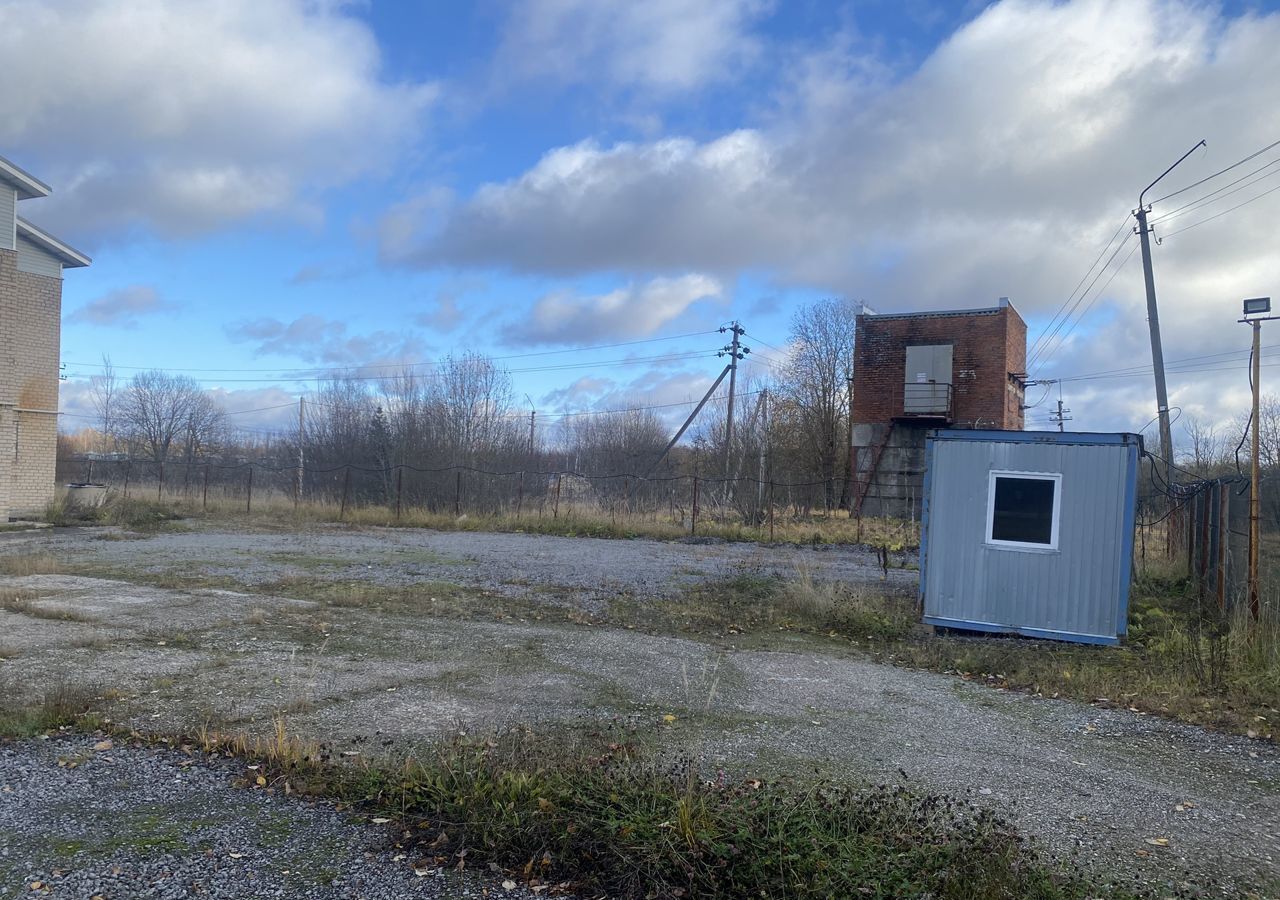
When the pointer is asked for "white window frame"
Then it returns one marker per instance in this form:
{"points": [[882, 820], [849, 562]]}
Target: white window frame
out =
{"points": [[1025, 546]]}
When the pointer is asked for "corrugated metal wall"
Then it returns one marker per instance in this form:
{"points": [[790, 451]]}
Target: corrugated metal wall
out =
{"points": [[36, 260], [8, 217], [1079, 591]]}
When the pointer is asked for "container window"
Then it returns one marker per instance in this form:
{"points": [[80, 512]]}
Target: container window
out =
{"points": [[1022, 510]]}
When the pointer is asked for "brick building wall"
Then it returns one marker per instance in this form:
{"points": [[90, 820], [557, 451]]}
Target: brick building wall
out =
{"points": [[987, 347], [30, 317]]}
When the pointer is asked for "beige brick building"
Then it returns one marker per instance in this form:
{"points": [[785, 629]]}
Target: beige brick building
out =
{"points": [[31, 264]]}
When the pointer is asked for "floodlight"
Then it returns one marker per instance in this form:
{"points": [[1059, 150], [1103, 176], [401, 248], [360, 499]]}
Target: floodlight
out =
{"points": [[1257, 306]]}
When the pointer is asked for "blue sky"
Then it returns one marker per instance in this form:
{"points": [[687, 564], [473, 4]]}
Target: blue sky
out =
{"points": [[279, 185]]}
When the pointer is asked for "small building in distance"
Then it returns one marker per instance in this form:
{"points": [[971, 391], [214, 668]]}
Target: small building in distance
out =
{"points": [[31, 264], [915, 371], [1029, 532]]}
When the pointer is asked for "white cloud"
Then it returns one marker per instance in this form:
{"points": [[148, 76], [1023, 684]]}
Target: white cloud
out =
{"points": [[327, 342], [183, 117], [635, 310], [121, 308], [661, 45], [999, 167]]}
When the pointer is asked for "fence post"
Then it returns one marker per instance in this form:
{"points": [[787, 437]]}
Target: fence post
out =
{"points": [[346, 487], [399, 485], [160, 483], [205, 501], [248, 500], [771, 512], [457, 495], [693, 520], [555, 512], [520, 497], [128, 467]]}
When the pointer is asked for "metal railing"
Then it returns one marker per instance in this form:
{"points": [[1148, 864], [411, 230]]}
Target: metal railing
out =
{"points": [[926, 399]]}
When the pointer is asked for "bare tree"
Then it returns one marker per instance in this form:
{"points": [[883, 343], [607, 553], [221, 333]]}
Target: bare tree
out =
{"points": [[813, 387], [104, 393], [159, 410]]}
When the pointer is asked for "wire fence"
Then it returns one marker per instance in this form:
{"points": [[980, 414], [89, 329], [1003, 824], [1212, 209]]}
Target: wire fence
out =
{"points": [[466, 490]]}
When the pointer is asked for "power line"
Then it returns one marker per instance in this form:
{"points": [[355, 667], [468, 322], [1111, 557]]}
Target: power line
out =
{"points": [[1236, 164], [1035, 346], [1223, 213], [1202, 201], [630, 361], [1046, 353], [312, 370]]}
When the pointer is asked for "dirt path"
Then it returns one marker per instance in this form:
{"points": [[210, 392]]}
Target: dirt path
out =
{"points": [[1125, 791]]}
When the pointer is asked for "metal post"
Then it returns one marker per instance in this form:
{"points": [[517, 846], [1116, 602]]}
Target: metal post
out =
{"points": [[457, 494], [204, 503], [520, 497], [693, 520], [555, 512], [1255, 493], [248, 501], [771, 511], [399, 486], [297, 495], [160, 483], [346, 487]]}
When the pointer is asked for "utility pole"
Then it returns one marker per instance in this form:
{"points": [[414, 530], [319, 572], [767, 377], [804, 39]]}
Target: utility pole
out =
{"points": [[302, 433], [1255, 307], [735, 352], [533, 417], [1153, 319], [1060, 416]]}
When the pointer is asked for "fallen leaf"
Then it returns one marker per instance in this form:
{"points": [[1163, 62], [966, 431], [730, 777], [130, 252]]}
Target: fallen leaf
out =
{"points": [[236, 855], [509, 885], [380, 821], [668, 718], [103, 745], [1158, 842], [262, 781]]}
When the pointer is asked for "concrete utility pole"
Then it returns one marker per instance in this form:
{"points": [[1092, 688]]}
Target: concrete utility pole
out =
{"points": [[533, 417], [1153, 320], [735, 352], [1060, 416]]}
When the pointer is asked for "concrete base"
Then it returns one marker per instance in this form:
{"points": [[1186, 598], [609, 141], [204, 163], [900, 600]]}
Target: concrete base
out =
{"points": [[896, 486]]}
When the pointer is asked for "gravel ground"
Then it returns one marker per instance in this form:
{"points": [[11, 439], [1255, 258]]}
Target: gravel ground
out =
{"points": [[1100, 782], [138, 822]]}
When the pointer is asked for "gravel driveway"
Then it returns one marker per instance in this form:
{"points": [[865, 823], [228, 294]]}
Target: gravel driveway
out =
{"points": [[1123, 791], [131, 821]]}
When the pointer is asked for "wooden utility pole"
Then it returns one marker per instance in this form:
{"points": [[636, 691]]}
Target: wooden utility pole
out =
{"points": [[533, 417]]}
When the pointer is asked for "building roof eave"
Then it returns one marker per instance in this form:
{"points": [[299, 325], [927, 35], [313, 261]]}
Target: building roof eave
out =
{"points": [[70, 256], [27, 185]]}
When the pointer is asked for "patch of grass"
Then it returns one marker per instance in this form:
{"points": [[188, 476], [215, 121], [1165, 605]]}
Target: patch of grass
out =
{"points": [[133, 513], [63, 704], [1179, 660], [588, 808], [20, 565]]}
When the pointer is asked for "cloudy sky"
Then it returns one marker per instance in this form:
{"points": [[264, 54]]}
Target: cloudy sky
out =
{"points": [[271, 187]]}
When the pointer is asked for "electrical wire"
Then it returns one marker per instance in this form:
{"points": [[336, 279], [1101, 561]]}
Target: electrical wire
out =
{"points": [[1035, 346], [312, 370], [1234, 165], [1223, 213], [1080, 318], [1205, 200]]}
